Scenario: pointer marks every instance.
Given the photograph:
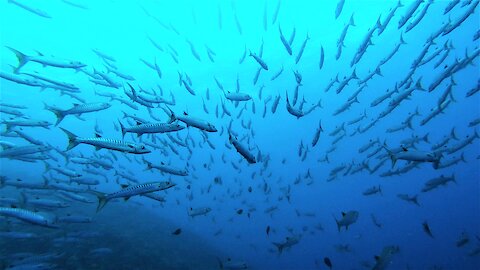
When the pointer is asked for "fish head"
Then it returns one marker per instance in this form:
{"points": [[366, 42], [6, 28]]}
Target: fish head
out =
{"points": [[78, 64], [211, 128], [140, 148], [105, 105], [166, 184], [178, 127]]}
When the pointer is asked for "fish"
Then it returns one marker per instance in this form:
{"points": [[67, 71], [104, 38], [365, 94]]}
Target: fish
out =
{"points": [[426, 229], [383, 260], [232, 265], [302, 48], [33, 10], [285, 43], [77, 109], [44, 60], [129, 191], [327, 262], [191, 121], [150, 128], [177, 231], [287, 243], [438, 181], [237, 96], [166, 168], [99, 142], [201, 211], [415, 155], [28, 216], [339, 8], [259, 60], [347, 219], [242, 149]]}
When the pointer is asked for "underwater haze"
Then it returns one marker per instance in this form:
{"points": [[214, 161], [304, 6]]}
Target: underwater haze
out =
{"points": [[240, 134]]}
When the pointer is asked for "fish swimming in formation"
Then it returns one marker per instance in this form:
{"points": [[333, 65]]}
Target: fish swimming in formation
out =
{"points": [[128, 191]]}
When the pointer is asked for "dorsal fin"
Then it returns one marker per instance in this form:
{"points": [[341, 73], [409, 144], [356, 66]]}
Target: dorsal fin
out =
{"points": [[124, 185], [404, 149], [76, 104], [138, 122], [98, 135], [185, 113], [126, 198], [343, 214]]}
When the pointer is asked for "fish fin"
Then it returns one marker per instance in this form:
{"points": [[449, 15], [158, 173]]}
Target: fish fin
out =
{"points": [[22, 59], [124, 185], [58, 113], [72, 139], [102, 199], [122, 128], [126, 198]]}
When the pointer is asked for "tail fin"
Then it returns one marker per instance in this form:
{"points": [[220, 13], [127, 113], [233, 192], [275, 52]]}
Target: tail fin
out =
{"points": [[354, 74], [72, 139], [279, 247], [102, 200], [352, 22], [22, 59], [425, 138], [415, 200], [391, 154], [172, 115], [122, 128], [58, 113]]}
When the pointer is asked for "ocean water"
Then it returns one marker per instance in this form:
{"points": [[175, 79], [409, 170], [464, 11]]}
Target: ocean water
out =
{"points": [[282, 211]]}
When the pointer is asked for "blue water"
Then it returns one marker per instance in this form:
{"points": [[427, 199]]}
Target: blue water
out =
{"points": [[138, 233]]}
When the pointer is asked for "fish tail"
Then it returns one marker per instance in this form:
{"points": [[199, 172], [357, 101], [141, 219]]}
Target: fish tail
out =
{"points": [[279, 247], [402, 41], [58, 113], [122, 128], [220, 263], [22, 59], [172, 115], [425, 138], [415, 200], [352, 22], [354, 74], [72, 139], [23, 199], [102, 200], [390, 153]]}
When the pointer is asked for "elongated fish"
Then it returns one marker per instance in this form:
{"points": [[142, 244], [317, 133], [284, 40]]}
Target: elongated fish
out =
{"points": [[111, 144], [128, 191], [140, 128], [44, 60], [77, 109], [242, 149], [28, 216], [191, 121]]}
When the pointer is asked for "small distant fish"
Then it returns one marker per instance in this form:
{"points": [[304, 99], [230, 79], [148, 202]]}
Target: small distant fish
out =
{"points": [[177, 231], [289, 242], [327, 262], [198, 211], [426, 229], [268, 230], [348, 219]]}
